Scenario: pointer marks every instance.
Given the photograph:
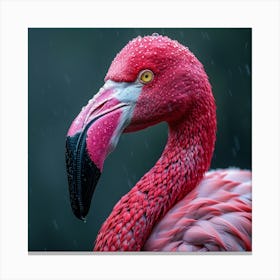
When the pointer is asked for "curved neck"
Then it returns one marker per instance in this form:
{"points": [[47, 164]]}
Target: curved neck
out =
{"points": [[186, 157]]}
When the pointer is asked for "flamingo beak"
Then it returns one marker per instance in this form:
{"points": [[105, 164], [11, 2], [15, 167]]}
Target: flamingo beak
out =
{"points": [[93, 135]]}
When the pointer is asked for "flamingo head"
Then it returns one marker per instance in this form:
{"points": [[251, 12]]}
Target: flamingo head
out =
{"points": [[152, 79]]}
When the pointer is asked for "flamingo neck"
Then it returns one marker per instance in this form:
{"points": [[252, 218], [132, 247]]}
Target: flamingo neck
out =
{"points": [[186, 157]]}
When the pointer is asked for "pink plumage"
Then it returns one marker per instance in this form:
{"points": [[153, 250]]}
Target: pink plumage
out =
{"points": [[215, 216], [177, 205]]}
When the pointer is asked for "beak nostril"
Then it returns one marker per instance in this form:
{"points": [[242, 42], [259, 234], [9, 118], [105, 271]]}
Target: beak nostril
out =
{"points": [[107, 106], [94, 111], [99, 107]]}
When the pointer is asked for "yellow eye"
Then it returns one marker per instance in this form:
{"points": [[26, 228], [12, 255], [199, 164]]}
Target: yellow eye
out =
{"points": [[146, 76]]}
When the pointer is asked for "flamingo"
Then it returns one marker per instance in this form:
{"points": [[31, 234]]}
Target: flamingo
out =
{"points": [[178, 205]]}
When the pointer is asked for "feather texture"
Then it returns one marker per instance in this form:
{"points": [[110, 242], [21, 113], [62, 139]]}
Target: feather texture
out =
{"points": [[215, 216]]}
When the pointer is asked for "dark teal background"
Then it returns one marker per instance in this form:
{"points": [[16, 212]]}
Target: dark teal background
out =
{"points": [[66, 67]]}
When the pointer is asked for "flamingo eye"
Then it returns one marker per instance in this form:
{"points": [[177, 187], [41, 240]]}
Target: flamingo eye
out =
{"points": [[146, 76]]}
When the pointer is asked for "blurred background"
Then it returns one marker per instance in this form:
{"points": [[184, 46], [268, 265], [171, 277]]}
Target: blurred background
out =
{"points": [[66, 67]]}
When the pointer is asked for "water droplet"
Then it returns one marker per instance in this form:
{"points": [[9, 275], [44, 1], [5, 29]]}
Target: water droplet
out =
{"points": [[240, 70], [155, 34], [247, 69], [55, 224], [67, 78], [236, 143]]}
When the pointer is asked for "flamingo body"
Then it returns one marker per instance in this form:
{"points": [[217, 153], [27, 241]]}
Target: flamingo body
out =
{"points": [[177, 205]]}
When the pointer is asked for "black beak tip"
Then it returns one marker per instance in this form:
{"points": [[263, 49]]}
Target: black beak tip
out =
{"points": [[83, 175]]}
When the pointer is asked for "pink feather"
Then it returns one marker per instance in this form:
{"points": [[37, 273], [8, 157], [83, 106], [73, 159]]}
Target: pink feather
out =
{"points": [[216, 216]]}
